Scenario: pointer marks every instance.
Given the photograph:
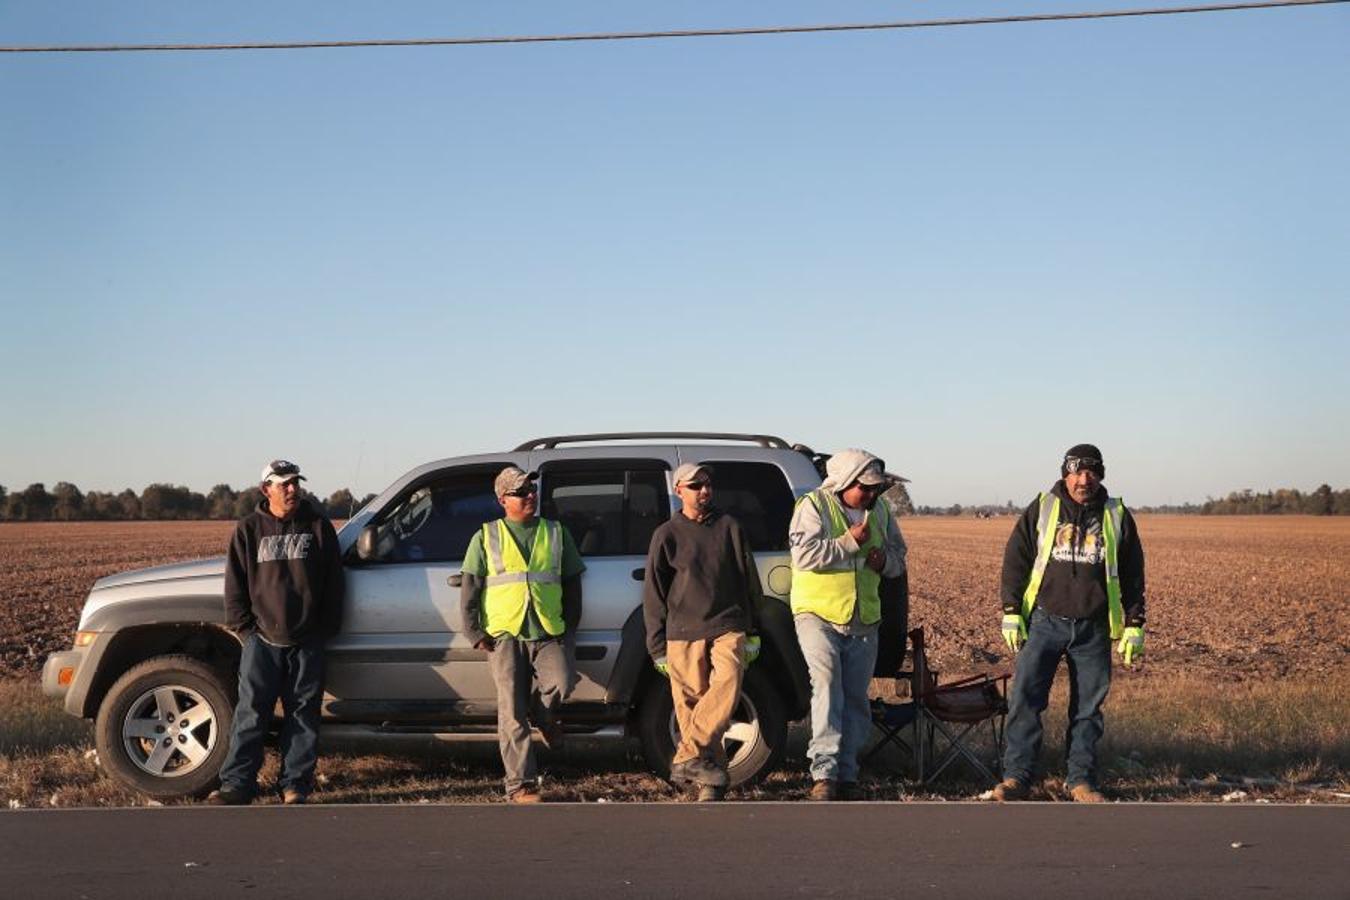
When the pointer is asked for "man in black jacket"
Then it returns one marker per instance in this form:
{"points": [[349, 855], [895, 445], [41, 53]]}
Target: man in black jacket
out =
{"points": [[283, 598], [1073, 582], [699, 595]]}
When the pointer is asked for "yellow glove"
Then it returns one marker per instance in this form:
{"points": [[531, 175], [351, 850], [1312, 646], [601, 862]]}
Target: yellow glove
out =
{"points": [[1014, 631], [1131, 645], [661, 665], [751, 649]]}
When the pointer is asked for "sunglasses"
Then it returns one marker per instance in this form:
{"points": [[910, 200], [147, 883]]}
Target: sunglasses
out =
{"points": [[523, 492], [1074, 463], [696, 485], [872, 488]]}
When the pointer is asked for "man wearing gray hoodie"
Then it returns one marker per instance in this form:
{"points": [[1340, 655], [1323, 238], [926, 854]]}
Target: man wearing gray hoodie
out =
{"points": [[844, 539]]}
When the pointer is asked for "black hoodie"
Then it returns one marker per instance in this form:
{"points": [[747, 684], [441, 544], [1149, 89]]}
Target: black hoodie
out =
{"points": [[283, 577], [1074, 585]]}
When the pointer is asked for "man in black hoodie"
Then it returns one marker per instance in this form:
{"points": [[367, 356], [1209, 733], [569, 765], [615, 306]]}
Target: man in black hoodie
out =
{"points": [[1073, 582], [283, 599], [699, 596]]}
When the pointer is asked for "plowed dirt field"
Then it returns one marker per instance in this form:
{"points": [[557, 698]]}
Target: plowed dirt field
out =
{"points": [[1232, 598]]}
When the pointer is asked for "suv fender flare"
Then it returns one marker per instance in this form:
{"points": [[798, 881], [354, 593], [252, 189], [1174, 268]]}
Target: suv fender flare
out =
{"points": [[632, 663], [127, 633], [781, 655]]}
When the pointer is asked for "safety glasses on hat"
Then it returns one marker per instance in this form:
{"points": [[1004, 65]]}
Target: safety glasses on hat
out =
{"points": [[1073, 463]]}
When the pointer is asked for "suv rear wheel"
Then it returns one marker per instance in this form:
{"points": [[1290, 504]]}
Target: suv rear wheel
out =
{"points": [[164, 727], [755, 741]]}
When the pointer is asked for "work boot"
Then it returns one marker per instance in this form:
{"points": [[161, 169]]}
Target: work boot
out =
{"points": [[707, 793], [681, 772], [705, 772], [825, 789], [1011, 789], [526, 794], [293, 797], [849, 790], [228, 797], [1086, 793]]}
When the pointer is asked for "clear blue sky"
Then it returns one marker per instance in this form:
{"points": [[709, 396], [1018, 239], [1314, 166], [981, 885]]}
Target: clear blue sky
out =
{"points": [[963, 249]]}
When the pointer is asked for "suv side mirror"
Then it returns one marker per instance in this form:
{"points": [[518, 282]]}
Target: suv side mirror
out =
{"points": [[365, 545]]}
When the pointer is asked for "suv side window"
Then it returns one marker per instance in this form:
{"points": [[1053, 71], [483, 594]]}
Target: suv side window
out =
{"points": [[435, 521], [759, 496], [610, 510]]}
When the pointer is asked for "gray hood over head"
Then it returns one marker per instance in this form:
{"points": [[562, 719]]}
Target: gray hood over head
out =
{"points": [[844, 467]]}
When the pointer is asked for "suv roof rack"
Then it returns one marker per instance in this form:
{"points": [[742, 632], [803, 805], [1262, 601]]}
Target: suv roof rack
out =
{"points": [[549, 443]]}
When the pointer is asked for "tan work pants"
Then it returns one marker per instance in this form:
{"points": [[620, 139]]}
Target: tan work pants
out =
{"points": [[705, 682]]}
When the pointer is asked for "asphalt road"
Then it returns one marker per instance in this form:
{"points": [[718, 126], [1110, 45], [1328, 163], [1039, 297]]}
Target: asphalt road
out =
{"points": [[680, 850]]}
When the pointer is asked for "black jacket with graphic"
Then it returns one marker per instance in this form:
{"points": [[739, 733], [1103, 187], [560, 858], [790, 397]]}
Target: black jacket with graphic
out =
{"points": [[283, 578], [1074, 584]]}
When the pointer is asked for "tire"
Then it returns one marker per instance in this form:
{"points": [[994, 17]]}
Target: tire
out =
{"points": [[144, 708], [755, 742]]}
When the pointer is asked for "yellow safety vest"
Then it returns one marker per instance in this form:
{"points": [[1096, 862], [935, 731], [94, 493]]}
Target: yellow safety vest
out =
{"points": [[832, 593], [1045, 541], [512, 582]]}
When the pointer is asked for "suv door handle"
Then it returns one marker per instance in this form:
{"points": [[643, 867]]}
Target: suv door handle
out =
{"points": [[455, 580], [638, 574]]}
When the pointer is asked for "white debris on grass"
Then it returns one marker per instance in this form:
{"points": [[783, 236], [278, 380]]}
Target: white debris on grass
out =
{"points": [[1234, 796], [986, 795]]}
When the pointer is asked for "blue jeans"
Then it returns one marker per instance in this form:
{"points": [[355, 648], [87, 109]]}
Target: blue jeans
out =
{"points": [[1086, 644], [841, 717], [266, 673]]}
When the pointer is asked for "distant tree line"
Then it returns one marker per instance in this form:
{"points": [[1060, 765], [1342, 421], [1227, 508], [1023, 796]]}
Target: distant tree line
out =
{"points": [[67, 503], [1286, 501], [984, 511]]}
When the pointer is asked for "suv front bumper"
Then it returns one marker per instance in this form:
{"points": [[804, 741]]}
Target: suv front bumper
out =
{"points": [[61, 673]]}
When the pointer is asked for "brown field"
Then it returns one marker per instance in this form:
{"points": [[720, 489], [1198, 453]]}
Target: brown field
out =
{"points": [[1229, 598], [1244, 694]]}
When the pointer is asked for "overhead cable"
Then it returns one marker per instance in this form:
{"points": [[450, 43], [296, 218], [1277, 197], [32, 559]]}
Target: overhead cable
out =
{"points": [[682, 33]]}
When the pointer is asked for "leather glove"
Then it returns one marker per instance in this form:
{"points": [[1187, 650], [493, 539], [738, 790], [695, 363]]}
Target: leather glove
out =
{"points": [[751, 649], [661, 665], [1014, 631], [1131, 645]]}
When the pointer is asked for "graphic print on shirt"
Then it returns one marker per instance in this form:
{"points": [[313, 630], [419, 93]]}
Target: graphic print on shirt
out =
{"points": [[284, 546], [1086, 547]]}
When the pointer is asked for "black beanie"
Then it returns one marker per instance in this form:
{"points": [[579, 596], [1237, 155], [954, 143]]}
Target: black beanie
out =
{"points": [[1084, 451]]}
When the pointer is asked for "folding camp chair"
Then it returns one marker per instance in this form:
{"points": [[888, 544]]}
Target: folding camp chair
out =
{"points": [[893, 718], [951, 712]]}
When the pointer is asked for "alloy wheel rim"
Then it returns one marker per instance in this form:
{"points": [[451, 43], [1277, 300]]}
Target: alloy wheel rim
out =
{"points": [[169, 731]]}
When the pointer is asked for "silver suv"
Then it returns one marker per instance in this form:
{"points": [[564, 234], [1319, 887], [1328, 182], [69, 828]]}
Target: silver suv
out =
{"points": [[155, 667]]}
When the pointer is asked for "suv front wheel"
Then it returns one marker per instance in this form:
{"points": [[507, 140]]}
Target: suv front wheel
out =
{"points": [[755, 741], [164, 727]]}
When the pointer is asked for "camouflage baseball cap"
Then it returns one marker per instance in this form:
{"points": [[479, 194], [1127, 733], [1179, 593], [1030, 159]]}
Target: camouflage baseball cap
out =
{"points": [[511, 478]]}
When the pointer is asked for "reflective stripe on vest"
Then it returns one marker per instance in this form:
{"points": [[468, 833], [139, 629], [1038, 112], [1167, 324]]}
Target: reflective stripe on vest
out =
{"points": [[512, 583], [833, 592], [1046, 524]]}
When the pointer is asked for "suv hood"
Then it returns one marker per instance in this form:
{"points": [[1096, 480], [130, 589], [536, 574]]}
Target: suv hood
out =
{"points": [[197, 568]]}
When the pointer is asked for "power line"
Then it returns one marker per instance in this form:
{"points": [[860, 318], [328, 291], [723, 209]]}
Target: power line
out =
{"points": [[689, 33]]}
